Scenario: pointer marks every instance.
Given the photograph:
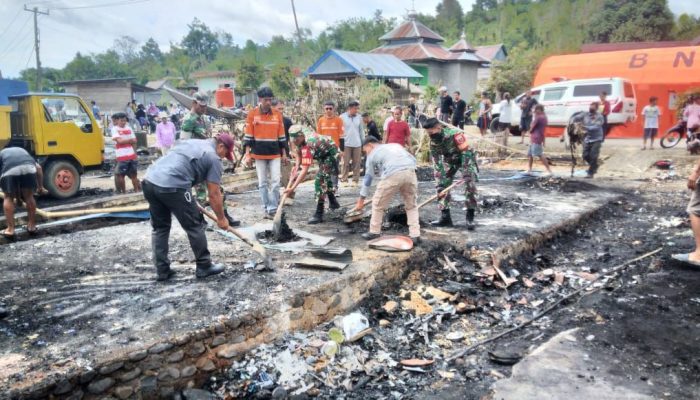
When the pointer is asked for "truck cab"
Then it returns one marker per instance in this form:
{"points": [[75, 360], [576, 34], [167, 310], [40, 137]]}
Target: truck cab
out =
{"points": [[60, 131]]}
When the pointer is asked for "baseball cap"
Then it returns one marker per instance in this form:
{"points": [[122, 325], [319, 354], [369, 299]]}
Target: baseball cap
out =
{"points": [[227, 141], [296, 130], [201, 98]]}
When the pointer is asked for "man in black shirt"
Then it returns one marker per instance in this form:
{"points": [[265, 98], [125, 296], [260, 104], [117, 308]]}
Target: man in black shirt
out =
{"points": [[460, 107], [371, 126], [527, 104], [446, 105], [412, 113]]}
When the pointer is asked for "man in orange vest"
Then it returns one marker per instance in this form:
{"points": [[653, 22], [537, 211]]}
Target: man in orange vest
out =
{"points": [[266, 145], [330, 124]]}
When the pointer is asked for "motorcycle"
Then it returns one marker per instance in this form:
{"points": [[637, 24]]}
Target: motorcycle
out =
{"points": [[674, 135], [468, 116]]}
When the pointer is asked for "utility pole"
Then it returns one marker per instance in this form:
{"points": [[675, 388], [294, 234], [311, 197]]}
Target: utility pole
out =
{"points": [[36, 12]]}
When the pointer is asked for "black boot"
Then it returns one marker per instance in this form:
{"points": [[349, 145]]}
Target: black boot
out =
{"points": [[445, 219], [332, 201], [318, 215], [231, 221], [212, 269], [470, 219]]}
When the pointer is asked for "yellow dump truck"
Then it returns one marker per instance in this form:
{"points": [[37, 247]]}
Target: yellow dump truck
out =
{"points": [[59, 130]]}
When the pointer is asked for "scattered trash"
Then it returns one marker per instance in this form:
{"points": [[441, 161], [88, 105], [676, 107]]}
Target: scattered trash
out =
{"points": [[353, 324]]}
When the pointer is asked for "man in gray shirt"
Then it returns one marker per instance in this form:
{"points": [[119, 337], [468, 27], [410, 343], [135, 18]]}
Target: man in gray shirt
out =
{"points": [[396, 169], [593, 123], [168, 190], [352, 124]]}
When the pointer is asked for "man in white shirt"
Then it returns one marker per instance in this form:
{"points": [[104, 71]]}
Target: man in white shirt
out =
{"points": [[352, 126], [651, 113]]}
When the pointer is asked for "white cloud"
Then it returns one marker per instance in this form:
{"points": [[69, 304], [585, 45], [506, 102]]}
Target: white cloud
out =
{"points": [[93, 30]]}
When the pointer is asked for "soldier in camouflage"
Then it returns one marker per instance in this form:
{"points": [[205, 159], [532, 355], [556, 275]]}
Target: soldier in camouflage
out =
{"points": [[311, 146], [447, 160]]}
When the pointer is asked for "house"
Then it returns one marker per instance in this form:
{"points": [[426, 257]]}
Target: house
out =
{"points": [[421, 48], [209, 81], [338, 65], [492, 53], [111, 94]]}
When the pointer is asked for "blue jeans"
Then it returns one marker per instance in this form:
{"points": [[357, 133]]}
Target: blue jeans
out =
{"points": [[269, 183]]}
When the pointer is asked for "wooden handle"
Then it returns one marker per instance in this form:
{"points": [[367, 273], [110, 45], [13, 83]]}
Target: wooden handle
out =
{"points": [[232, 230], [444, 192]]}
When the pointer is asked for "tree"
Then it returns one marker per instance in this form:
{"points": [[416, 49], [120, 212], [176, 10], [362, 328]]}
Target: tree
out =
{"points": [[50, 77], [80, 67], [249, 76], [282, 81], [180, 61], [200, 42], [151, 51], [631, 21], [358, 34], [687, 27], [125, 48], [449, 19], [514, 75]]}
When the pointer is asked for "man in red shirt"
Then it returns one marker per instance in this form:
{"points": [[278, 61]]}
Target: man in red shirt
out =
{"points": [[127, 160], [398, 130]]}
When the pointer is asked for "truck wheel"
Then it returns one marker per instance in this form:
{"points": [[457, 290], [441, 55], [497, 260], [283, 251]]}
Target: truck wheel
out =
{"points": [[62, 179], [494, 124]]}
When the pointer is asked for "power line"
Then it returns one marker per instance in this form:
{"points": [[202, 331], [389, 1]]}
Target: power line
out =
{"points": [[29, 58], [7, 28], [120, 3], [13, 42], [12, 45]]}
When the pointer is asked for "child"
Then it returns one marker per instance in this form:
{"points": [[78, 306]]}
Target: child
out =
{"points": [[126, 156], [651, 115], [536, 149]]}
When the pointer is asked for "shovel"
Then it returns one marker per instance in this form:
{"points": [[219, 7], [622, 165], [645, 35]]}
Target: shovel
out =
{"points": [[257, 247], [277, 221]]}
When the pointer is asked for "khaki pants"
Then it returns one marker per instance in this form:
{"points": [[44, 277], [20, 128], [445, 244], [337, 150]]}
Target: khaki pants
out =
{"points": [[405, 183], [354, 154]]}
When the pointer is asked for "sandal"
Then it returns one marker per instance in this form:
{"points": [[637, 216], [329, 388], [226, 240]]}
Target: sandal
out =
{"points": [[8, 236], [685, 258]]}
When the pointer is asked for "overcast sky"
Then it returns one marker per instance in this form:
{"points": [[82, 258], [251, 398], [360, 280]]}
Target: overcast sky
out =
{"points": [[90, 26]]}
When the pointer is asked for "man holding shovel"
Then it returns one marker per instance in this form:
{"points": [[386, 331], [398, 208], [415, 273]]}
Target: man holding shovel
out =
{"points": [[168, 190], [396, 168], [322, 149], [450, 153]]}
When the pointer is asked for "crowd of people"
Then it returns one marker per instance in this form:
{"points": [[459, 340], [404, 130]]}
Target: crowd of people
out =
{"points": [[347, 146]]}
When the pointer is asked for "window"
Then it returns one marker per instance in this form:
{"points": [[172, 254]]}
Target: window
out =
{"points": [[629, 91], [592, 90], [552, 94], [65, 109]]}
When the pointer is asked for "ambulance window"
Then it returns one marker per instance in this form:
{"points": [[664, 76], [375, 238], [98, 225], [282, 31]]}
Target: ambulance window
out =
{"points": [[629, 91], [551, 94], [592, 90]]}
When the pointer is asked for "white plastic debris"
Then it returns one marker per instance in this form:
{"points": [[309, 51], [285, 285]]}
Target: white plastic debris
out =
{"points": [[353, 324]]}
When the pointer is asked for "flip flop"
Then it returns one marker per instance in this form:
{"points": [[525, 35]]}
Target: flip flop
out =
{"points": [[685, 258], [8, 236]]}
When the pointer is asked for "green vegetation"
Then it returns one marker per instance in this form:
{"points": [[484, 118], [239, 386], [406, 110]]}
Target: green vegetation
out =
{"points": [[529, 29]]}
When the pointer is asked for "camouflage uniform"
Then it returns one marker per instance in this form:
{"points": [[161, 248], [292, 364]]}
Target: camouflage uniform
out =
{"points": [[322, 149], [195, 125], [447, 160]]}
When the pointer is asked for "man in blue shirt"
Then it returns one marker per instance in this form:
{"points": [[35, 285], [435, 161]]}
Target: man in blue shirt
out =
{"points": [[168, 190]]}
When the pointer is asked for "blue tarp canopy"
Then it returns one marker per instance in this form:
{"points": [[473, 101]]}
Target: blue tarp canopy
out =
{"points": [[340, 64]]}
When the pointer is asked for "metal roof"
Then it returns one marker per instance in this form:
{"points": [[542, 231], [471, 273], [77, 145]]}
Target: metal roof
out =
{"points": [[462, 45], [426, 51], [412, 29], [489, 52], [100, 80], [338, 64]]}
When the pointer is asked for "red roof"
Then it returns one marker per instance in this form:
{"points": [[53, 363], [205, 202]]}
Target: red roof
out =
{"points": [[412, 29], [426, 51], [462, 45]]}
